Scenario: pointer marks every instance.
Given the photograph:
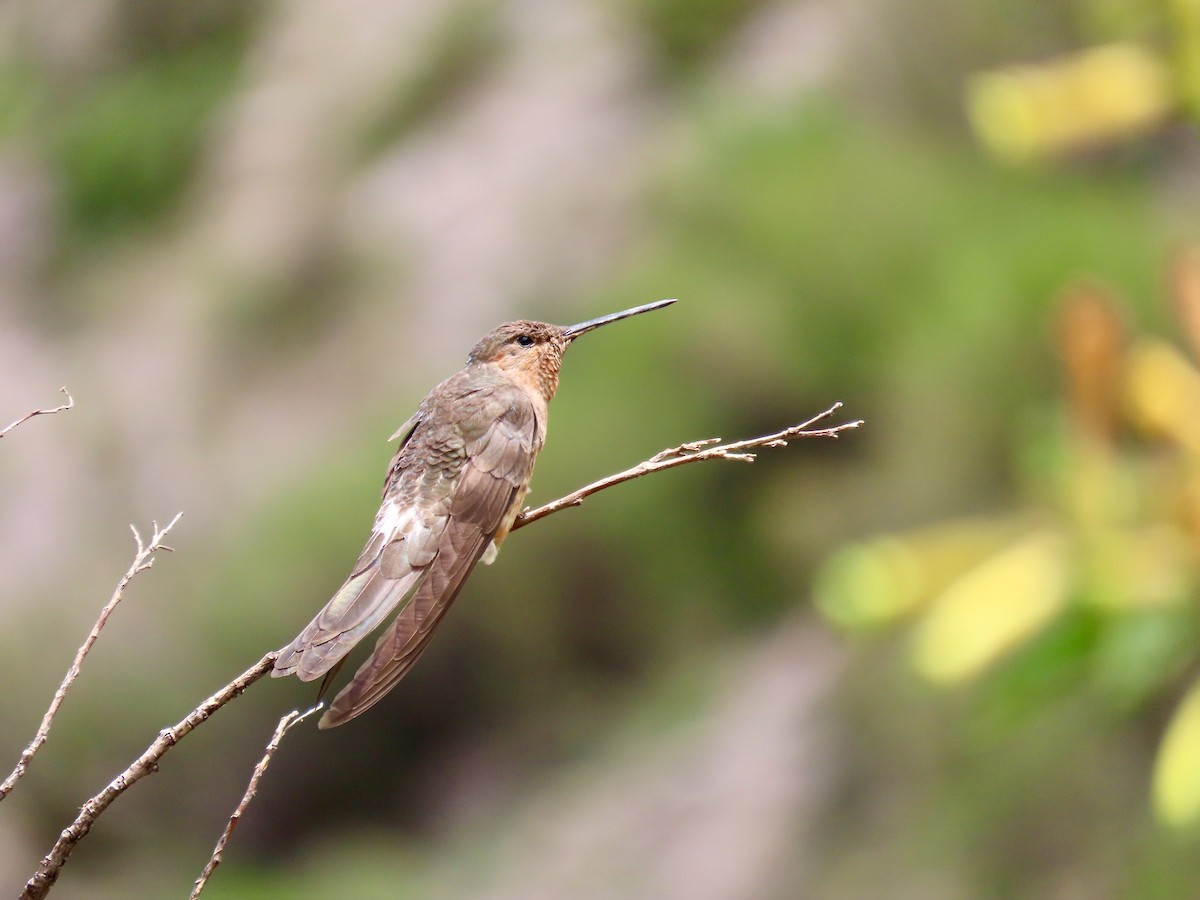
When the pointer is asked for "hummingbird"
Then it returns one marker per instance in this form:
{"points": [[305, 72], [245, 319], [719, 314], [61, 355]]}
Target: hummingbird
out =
{"points": [[451, 495]]}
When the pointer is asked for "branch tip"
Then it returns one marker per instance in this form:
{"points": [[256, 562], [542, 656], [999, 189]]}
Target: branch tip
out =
{"points": [[143, 559], [691, 451], [41, 412]]}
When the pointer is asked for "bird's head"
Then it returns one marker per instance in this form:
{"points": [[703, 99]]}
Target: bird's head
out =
{"points": [[529, 351], [533, 351]]}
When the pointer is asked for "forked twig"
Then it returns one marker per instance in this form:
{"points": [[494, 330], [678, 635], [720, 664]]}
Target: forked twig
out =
{"points": [[295, 717], [142, 560], [43, 879], [693, 451], [40, 412]]}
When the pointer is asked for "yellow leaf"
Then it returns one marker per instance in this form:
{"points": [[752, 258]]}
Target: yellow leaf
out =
{"points": [[1105, 93], [869, 584], [1177, 770], [992, 608], [1139, 567], [1164, 393]]}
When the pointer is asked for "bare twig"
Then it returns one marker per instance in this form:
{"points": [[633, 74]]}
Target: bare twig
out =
{"points": [[43, 879], [285, 725], [40, 412], [693, 451], [142, 560]]}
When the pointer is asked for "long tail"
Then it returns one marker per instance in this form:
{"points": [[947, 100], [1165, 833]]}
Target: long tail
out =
{"points": [[403, 642], [357, 609]]}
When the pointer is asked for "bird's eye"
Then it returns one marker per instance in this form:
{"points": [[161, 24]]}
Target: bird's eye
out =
{"points": [[524, 340]]}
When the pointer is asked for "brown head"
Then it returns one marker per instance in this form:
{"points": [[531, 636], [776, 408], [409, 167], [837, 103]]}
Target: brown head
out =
{"points": [[533, 351]]}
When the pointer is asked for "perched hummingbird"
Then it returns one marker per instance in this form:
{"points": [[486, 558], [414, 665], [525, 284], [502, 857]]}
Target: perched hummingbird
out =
{"points": [[452, 492]]}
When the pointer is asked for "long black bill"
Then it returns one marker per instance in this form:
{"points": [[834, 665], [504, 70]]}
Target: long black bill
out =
{"points": [[573, 331]]}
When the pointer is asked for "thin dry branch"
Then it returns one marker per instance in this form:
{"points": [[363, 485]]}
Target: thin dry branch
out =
{"points": [[285, 725], [40, 412], [43, 879], [142, 560], [693, 451]]}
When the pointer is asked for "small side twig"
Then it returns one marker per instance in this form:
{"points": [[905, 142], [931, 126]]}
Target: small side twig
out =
{"points": [[285, 724], [40, 412], [693, 451], [43, 879], [142, 560]]}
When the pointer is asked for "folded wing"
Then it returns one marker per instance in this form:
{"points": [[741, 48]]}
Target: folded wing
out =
{"points": [[490, 484]]}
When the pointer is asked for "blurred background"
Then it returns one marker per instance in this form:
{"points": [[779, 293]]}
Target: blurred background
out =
{"points": [[951, 655]]}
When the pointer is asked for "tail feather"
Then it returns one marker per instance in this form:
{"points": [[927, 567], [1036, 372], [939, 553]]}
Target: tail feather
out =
{"points": [[403, 642], [357, 609]]}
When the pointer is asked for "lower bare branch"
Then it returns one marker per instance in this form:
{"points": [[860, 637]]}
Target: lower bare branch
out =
{"points": [[43, 879], [40, 412], [285, 724], [693, 451], [142, 560]]}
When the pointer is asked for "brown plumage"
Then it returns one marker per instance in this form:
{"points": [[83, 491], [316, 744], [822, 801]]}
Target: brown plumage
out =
{"points": [[452, 492]]}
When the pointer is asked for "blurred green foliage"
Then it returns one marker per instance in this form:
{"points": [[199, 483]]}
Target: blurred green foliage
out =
{"points": [[125, 144], [1090, 586], [1096, 586], [1146, 70], [686, 33], [456, 58]]}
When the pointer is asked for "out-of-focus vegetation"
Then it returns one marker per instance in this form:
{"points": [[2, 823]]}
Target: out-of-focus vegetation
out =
{"points": [[1105, 551], [250, 236], [1147, 69]]}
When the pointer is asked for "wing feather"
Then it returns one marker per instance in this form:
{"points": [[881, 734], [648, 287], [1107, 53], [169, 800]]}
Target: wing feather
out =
{"points": [[448, 493], [480, 503], [399, 647], [384, 575]]}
